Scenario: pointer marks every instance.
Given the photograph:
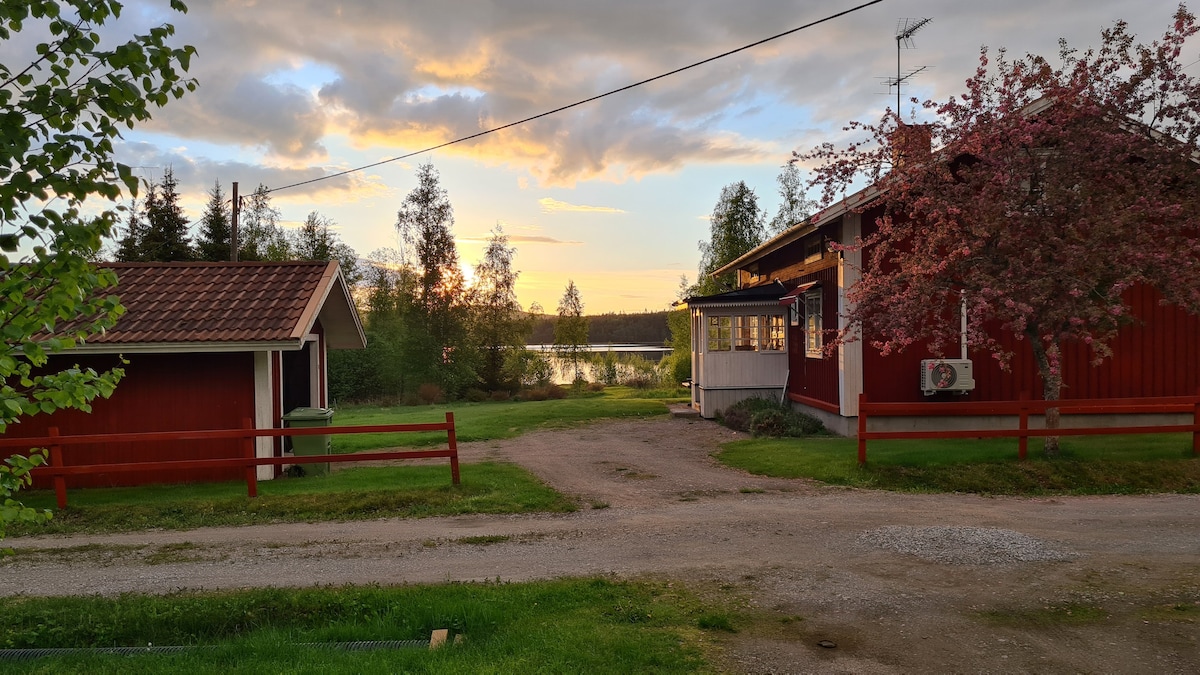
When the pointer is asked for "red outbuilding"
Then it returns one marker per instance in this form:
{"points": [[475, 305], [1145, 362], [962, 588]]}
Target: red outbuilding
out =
{"points": [[206, 346]]}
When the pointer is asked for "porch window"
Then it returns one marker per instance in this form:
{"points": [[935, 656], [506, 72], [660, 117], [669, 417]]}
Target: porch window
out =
{"points": [[774, 331], [814, 340], [746, 333], [719, 334]]}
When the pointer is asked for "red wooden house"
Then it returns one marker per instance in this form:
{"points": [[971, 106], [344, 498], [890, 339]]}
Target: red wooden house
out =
{"points": [[207, 346], [796, 279]]}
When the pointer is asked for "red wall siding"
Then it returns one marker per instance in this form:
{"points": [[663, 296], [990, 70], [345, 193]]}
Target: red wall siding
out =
{"points": [[160, 392], [815, 378], [1158, 356]]}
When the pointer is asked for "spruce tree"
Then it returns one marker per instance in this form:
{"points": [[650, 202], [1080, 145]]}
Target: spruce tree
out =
{"points": [[215, 228], [166, 235]]}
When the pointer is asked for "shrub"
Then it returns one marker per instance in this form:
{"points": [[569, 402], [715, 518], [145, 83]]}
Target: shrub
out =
{"points": [[556, 392], [430, 393], [475, 395], [500, 395], [765, 417], [596, 386], [536, 394], [642, 381], [605, 368]]}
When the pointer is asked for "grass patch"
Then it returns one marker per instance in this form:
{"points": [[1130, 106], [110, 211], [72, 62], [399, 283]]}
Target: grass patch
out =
{"points": [[1180, 612], [1069, 614], [716, 621], [579, 625], [360, 493], [484, 540], [490, 420], [1086, 465], [173, 553]]}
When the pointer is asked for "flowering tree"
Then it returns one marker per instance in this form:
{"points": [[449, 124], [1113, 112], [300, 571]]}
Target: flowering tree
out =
{"points": [[1050, 192]]}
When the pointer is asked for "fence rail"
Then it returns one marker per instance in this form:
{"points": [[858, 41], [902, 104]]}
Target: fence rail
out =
{"points": [[1022, 409], [58, 471]]}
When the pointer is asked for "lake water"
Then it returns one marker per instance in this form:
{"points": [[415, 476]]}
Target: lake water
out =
{"points": [[564, 375]]}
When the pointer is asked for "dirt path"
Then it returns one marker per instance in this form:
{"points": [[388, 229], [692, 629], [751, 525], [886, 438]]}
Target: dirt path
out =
{"points": [[900, 583]]}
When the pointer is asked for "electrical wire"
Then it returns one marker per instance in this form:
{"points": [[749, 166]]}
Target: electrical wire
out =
{"points": [[582, 102]]}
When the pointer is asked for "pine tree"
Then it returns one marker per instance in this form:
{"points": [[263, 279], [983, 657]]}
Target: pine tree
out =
{"points": [[130, 247], [215, 228], [315, 239], [165, 238]]}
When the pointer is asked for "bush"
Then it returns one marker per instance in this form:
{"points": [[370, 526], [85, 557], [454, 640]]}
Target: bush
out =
{"points": [[765, 417], [500, 396], [553, 391], [430, 393], [596, 386], [475, 395]]}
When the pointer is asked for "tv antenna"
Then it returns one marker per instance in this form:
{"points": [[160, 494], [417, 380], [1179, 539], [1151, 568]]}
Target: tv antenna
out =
{"points": [[905, 29]]}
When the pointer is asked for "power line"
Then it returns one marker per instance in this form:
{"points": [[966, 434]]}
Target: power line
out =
{"points": [[582, 102]]}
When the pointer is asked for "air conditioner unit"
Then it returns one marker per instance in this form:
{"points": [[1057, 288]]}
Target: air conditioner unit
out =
{"points": [[946, 375]]}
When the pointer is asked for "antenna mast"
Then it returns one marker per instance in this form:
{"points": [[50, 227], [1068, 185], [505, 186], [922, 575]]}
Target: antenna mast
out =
{"points": [[905, 29]]}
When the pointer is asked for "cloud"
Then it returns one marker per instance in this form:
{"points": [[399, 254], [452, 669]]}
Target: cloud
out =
{"points": [[551, 205], [535, 239], [197, 175], [284, 76]]}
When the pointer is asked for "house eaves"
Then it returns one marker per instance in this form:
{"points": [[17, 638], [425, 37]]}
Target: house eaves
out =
{"points": [[804, 228]]}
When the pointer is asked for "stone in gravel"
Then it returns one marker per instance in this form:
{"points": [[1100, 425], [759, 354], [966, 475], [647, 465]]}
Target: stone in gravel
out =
{"points": [[964, 545]]}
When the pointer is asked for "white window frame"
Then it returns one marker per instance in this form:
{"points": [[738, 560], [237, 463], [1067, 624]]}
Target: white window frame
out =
{"points": [[774, 329], [746, 332], [814, 336], [719, 334]]}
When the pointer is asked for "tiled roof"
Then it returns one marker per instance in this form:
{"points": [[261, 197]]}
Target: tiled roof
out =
{"points": [[215, 302]]}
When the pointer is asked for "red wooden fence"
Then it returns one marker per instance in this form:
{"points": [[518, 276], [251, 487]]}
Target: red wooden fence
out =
{"points": [[1022, 409], [58, 471]]}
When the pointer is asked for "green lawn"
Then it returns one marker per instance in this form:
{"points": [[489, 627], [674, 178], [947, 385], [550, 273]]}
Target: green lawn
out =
{"points": [[1086, 465], [565, 626], [351, 494], [491, 421], [361, 493]]}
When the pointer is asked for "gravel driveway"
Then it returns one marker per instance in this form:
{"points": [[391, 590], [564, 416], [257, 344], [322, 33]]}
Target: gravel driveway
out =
{"points": [[898, 582]]}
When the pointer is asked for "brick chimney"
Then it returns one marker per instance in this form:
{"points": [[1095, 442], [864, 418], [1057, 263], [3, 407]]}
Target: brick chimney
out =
{"points": [[911, 143]]}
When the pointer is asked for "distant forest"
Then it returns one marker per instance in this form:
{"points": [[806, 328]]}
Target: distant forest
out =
{"points": [[644, 328]]}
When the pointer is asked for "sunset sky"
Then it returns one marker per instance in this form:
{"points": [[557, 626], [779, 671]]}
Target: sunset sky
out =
{"points": [[614, 194]]}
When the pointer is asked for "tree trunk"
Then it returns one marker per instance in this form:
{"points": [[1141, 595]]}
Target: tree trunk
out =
{"points": [[1050, 369]]}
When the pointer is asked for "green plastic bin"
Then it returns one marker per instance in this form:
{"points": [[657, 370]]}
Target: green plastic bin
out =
{"points": [[302, 418]]}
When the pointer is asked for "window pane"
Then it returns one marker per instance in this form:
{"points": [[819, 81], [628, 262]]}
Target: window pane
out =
{"points": [[813, 338], [718, 333], [774, 330], [745, 333]]}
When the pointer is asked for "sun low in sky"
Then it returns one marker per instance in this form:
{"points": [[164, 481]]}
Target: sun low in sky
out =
{"points": [[613, 194]]}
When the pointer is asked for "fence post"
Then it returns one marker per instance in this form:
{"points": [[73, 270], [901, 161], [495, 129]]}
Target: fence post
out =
{"points": [[248, 452], [56, 459], [1023, 425], [862, 428], [1196, 424], [452, 440]]}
